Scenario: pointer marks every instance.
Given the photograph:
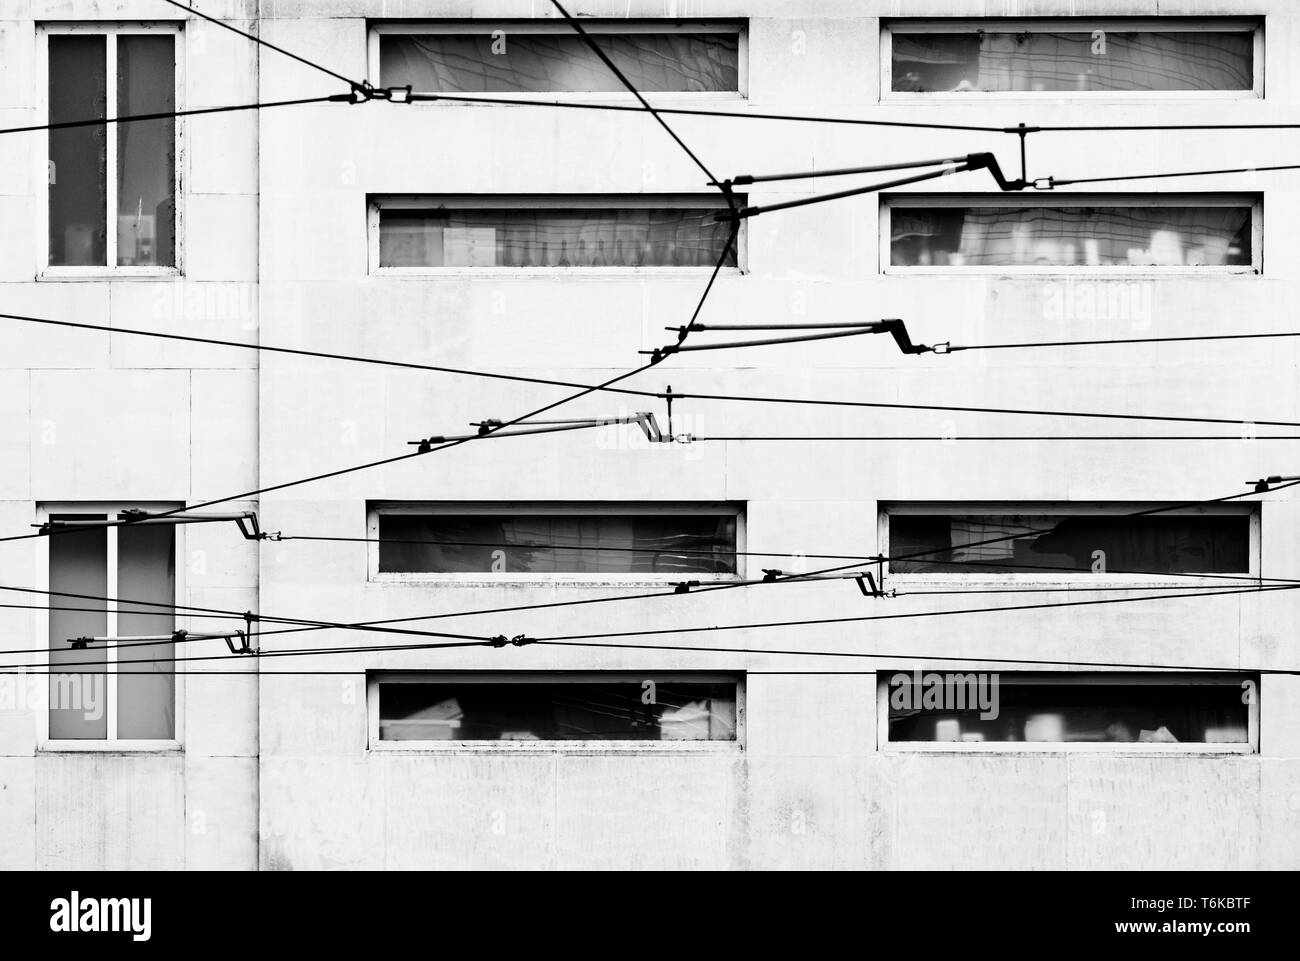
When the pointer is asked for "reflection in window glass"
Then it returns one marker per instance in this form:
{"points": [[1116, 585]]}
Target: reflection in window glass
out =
{"points": [[78, 566], [987, 61], [1058, 709], [558, 544], [80, 704], [78, 155], [640, 709], [146, 151], [553, 237], [1168, 544], [1074, 236], [505, 61]]}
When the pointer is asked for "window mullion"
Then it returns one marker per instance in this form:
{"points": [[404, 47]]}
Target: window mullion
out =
{"points": [[110, 147], [110, 653]]}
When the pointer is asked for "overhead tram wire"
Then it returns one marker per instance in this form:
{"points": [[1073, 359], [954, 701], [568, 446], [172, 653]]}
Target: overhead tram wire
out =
{"points": [[686, 395], [167, 115], [819, 574], [575, 640], [266, 43], [989, 438], [622, 77]]}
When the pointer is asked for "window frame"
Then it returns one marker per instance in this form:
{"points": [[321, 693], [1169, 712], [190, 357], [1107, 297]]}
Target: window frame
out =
{"points": [[112, 744], [376, 28], [914, 200], [610, 746], [41, 151], [1170, 24], [602, 508], [701, 200], [1066, 580], [1150, 677]]}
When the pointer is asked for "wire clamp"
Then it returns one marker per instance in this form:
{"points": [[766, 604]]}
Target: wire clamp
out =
{"points": [[1043, 183], [943, 348], [80, 643], [363, 92], [519, 640], [684, 587], [771, 574]]}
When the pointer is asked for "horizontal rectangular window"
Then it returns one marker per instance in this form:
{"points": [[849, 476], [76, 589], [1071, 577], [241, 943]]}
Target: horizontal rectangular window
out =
{"points": [[1109, 233], [1074, 55], [595, 707], [1062, 708], [556, 541], [531, 57], [554, 232], [1025, 540]]}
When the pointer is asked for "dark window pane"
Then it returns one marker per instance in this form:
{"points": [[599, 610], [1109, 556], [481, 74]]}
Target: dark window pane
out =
{"points": [[632, 710], [146, 689], [78, 156], [1183, 544], [1029, 708], [1111, 60], [1073, 236], [507, 62], [146, 151], [558, 544], [78, 565], [553, 237]]}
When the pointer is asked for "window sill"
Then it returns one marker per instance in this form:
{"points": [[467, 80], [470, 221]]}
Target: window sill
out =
{"points": [[101, 274], [1025, 749], [484, 581], [553, 273], [1162, 98], [915, 584], [110, 747], [665, 99], [556, 747], [1092, 273]]}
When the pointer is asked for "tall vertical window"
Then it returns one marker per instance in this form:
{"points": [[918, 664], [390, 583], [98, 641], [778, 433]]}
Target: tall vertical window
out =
{"points": [[111, 582], [112, 187], [1175, 55]]}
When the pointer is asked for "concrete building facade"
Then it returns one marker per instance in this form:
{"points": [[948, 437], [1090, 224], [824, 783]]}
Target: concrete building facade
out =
{"points": [[375, 229]]}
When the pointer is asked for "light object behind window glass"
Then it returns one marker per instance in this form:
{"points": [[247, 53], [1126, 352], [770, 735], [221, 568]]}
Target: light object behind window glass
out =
{"points": [[1182, 544], [1070, 236], [1059, 709], [571, 544], [505, 61], [146, 151], [1103, 60], [144, 192], [553, 237], [596, 710]]}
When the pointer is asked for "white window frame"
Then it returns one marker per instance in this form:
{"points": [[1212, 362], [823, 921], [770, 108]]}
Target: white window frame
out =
{"points": [[375, 678], [908, 200], [1255, 26], [685, 201], [1064, 579], [1250, 746], [606, 508], [111, 743], [41, 152], [560, 26]]}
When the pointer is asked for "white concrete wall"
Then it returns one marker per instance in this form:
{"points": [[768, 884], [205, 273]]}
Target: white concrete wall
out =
{"points": [[90, 416]]}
